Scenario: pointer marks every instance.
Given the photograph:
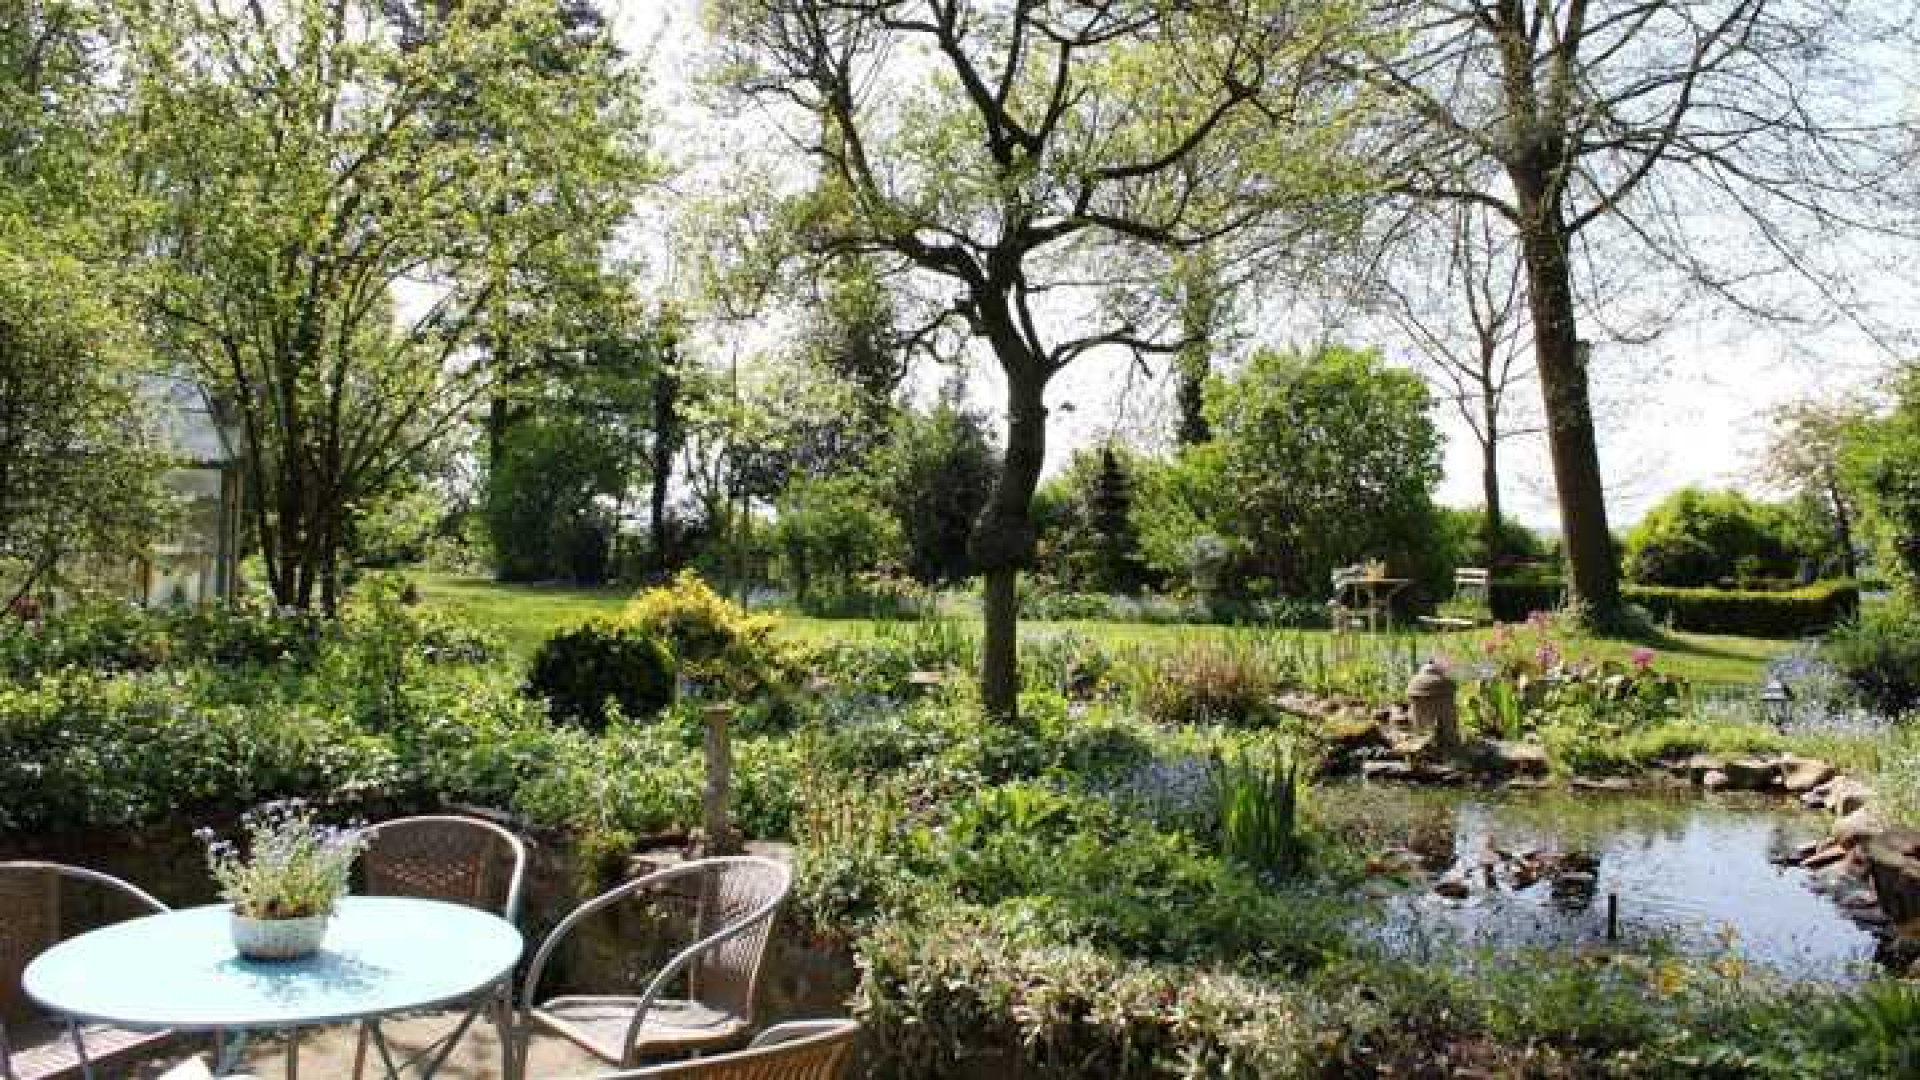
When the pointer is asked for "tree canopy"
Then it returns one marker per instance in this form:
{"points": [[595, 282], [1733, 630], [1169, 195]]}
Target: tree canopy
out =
{"points": [[350, 195], [1318, 459]]}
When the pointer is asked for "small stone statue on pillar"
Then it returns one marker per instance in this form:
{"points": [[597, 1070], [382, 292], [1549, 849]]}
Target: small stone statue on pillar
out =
{"points": [[1431, 697]]}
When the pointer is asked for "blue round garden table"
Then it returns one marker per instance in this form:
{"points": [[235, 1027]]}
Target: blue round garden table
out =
{"points": [[179, 971]]}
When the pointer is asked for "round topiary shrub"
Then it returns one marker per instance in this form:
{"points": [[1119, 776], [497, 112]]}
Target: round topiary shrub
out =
{"points": [[580, 670]]}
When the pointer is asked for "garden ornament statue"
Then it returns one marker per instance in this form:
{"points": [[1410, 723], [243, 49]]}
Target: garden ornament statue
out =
{"points": [[1431, 697], [1777, 699]]}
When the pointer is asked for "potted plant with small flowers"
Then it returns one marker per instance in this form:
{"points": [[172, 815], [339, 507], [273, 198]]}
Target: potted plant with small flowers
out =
{"points": [[284, 885]]}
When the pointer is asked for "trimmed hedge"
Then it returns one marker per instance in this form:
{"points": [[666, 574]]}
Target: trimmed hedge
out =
{"points": [[1513, 601], [1794, 613], [1751, 613]]}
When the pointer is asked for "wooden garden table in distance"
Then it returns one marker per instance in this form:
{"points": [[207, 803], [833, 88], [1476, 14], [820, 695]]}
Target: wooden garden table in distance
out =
{"points": [[1378, 593], [178, 971]]}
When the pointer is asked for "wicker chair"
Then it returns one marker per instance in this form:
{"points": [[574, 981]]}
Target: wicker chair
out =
{"points": [[806, 1050], [458, 859], [735, 899], [31, 895]]}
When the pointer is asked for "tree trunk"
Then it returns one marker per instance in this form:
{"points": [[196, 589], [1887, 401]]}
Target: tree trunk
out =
{"points": [[1842, 527], [1190, 395], [665, 444], [1490, 482], [1003, 537], [1593, 575]]}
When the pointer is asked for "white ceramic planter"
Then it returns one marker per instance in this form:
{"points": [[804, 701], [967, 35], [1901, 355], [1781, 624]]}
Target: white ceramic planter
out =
{"points": [[278, 939]]}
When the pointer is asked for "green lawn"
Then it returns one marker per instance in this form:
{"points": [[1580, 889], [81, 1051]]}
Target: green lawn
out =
{"points": [[523, 615]]}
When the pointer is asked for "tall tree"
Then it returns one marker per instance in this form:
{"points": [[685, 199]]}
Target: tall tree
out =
{"points": [[351, 200], [1804, 457], [1317, 459], [1038, 167], [1462, 306], [668, 437], [1663, 124], [1203, 315], [78, 462]]}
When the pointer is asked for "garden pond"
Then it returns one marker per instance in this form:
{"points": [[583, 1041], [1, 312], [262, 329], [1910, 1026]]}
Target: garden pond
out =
{"points": [[1502, 869]]}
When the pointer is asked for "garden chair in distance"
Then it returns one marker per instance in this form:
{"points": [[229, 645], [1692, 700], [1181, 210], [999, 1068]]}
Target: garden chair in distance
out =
{"points": [[802, 1050], [735, 899], [461, 860], [1471, 604], [31, 902]]}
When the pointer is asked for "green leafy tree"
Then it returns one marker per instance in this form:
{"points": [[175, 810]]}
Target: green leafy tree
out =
{"points": [[1090, 538], [1317, 460], [1804, 456], [936, 474], [1878, 463], [549, 511], [1697, 538], [79, 462], [830, 529], [1033, 171], [354, 197], [566, 469]]}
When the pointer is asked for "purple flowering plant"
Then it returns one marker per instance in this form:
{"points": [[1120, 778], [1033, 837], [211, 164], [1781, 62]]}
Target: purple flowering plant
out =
{"points": [[291, 865], [1531, 677]]}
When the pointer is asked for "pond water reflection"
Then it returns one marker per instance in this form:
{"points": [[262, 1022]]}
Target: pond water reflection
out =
{"points": [[1537, 868]]}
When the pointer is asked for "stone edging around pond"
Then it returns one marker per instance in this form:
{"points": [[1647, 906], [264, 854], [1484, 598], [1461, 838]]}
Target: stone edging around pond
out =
{"points": [[1869, 869]]}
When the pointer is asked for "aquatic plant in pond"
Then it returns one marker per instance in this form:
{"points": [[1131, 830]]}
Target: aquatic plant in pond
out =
{"points": [[1259, 794]]}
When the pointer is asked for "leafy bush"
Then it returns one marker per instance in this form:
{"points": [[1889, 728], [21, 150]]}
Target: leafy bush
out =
{"points": [[122, 637], [1531, 681], [79, 749], [579, 671], [979, 992], [1879, 653], [1211, 683], [828, 530], [1042, 599], [881, 662], [1512, 600], [1694, 538], [718, 645]]}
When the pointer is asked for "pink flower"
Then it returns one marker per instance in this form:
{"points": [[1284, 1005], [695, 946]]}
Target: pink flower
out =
{"points": [[1642, 658], [1539, 620], [1547, 655]]}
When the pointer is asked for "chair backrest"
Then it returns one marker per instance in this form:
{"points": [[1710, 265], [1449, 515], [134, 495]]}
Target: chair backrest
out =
{"points": [[30, 919], [733, 891], [808, 1050], [735, 898], [1472, 583], [458, 859]]}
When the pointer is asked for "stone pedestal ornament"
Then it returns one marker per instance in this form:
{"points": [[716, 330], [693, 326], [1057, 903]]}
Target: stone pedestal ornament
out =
{"points": [[1432, 696]]}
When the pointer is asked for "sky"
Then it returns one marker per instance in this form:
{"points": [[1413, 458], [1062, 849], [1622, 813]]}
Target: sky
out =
{"points": [[1690, 408]]}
